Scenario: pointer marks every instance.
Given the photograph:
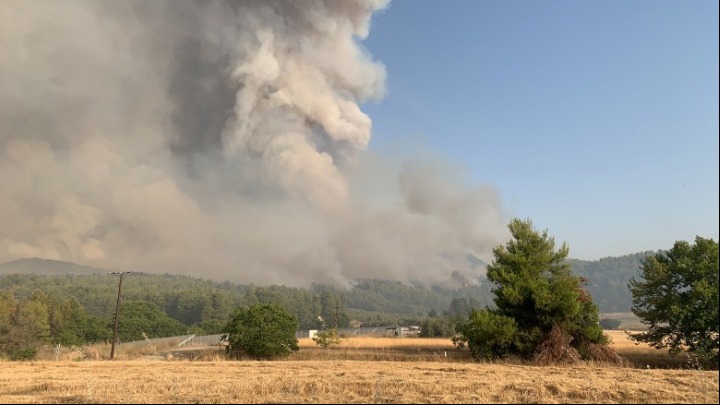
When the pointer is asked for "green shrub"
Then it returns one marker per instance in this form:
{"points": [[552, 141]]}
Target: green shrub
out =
{"points": [[326, 338], [23, 354], [610, 324], [488, 335], [262, 331]]}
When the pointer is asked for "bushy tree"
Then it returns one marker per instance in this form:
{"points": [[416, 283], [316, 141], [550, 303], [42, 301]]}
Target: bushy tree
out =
{"points": [[488, 334], [537, 299], [326, 337], [463, 307], [440, 326], [70, 325], [27, 327], [677, 297], [610, 324], [7, 308], [137, 317], [262, 331]]}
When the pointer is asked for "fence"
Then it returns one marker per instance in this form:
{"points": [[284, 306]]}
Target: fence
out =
{"points": [[213, 340]]}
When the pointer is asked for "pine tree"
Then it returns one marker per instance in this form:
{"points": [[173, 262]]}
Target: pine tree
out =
{"points": [[541, 306]]}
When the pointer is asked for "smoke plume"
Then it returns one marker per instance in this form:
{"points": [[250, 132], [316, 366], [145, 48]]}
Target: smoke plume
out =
{"points": [[220, 140]]}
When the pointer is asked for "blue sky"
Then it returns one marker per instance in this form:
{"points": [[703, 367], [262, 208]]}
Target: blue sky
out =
{"points": [[597, 120]]}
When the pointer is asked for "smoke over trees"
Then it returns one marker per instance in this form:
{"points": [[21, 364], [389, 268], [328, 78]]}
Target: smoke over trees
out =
{"points": [[218, 139]]}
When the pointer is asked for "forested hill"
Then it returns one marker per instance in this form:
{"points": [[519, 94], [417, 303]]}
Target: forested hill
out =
{"points": [[607, 279], [207, 303]]}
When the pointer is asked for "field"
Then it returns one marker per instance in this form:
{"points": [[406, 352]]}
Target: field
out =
{"points": [[360, 370]]}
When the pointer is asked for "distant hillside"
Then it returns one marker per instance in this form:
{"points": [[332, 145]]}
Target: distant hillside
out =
{"points": [[607, 279], [607, 283], [45, 266]]}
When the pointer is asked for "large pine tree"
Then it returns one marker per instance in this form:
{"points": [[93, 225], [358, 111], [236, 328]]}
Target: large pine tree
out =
{"points": [[541, 309]]}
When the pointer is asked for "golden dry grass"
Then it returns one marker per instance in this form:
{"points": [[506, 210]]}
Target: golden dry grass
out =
{"points": [[315, 381], [642, 355], [359, 370]]}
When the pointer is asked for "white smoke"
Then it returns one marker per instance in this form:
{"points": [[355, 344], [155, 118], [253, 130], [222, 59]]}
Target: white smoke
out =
{"points": [[217, 139]]}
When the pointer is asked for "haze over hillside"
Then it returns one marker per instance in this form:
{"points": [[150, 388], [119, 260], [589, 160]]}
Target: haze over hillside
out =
{"points": [[45, 266]]}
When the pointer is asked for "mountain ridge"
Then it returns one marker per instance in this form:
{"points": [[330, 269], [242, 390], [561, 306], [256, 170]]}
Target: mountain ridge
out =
{"points": [[36, 265], [607, 278]]}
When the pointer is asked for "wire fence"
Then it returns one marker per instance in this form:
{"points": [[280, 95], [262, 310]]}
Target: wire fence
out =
{"points": [[213, 340]]}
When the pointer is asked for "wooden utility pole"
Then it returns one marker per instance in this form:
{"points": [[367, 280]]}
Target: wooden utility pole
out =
{"points": [[117, 311], [337, 308]]}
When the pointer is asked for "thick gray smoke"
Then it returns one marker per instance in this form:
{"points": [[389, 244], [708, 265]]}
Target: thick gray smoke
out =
{"points": [[217, 139]]}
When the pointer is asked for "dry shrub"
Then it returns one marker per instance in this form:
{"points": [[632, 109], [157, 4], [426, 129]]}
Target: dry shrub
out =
{"points": [[91, 353], [556, 349], [603, 353]]}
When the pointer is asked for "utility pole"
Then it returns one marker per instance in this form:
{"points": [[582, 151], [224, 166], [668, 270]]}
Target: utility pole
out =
{"points": [[117, 310], [337, 307]]}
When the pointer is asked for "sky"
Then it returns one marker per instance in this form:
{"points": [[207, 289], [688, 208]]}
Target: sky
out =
{"points": [[597, 120], [322, 141]]}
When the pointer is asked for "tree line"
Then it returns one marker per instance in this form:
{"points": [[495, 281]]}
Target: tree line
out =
{"points": [[542, 310], [534, 305]]}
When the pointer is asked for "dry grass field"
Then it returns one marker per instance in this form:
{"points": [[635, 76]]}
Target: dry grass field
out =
{"points": [[359, 370]]}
